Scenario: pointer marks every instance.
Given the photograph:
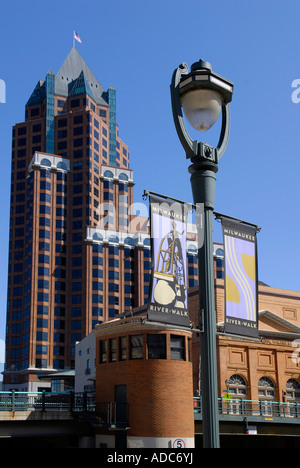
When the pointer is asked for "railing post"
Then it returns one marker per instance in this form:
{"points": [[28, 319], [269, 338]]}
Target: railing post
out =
{"points": [[109, 413], [85, 401], [13, 400], [44, 401], [71, 400]]}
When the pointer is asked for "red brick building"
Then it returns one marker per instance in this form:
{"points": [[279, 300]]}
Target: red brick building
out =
{"points": [[146, 369], [160, 389]]}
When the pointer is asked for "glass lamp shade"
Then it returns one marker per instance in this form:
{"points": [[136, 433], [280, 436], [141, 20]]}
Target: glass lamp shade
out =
{"points": [[202, 108]]}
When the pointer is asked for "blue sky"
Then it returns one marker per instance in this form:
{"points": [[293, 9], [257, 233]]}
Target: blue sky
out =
{"points": [[135, 45]]}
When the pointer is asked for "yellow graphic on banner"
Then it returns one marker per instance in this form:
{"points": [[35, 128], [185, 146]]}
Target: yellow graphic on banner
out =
{"points": [[249, 266], [232, 292]]}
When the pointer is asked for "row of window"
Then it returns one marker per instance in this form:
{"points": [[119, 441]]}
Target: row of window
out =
{"points": [[132, 347], [237, 386]]}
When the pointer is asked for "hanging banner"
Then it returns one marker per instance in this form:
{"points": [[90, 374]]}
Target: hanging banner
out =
{"points": [[241, 291], [168, 290]]}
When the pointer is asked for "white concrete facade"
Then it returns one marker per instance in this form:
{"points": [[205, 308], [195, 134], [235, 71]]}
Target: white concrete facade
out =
{"points": [[85, 370]]}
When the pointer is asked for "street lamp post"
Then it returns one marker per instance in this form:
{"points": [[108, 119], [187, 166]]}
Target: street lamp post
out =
{"points": [[202, 94]]}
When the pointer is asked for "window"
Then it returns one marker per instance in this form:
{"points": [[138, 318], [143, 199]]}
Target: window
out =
{"points": [[122, 348], [266, 394], [75, 103], [293, 397], [266, 388], [108, 196], [102, 351], [42, 323], [108, 184], [77, 131], [156, 346], [108, 174], [113, 349], [177, 347], [60, 103], [78, 119], [293, 390], [41, 349], [113, 262], [62, 122], [45, 162], [136, 347], [237, 386]]}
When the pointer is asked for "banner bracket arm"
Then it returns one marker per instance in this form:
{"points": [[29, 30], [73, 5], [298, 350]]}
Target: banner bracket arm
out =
{"points": [[220, 216], [217, 215], [147, 193]]}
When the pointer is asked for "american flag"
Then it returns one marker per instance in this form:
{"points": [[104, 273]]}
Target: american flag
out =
{"points": [[77, 37]]}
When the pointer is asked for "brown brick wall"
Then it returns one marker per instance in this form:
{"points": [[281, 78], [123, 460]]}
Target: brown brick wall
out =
{"points": [[159, 392]]}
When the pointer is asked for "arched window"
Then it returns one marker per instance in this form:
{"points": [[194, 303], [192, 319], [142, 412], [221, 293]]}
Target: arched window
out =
{"points": [[220, 252], [108, 174], [113, 239], [237, 386], [62, 165], [97, 236], [129, 241], [123, 176], [266, 395], [147, 241], [292, 390], [266, 389], [45, 162], [192, 248]]}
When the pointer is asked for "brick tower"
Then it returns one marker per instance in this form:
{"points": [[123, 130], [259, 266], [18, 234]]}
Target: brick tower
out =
{"points": [[146, 370]]}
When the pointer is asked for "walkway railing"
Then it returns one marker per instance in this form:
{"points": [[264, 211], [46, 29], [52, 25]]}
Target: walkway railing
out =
{"points": [[264, 408], [112, 412], [47, 401]]}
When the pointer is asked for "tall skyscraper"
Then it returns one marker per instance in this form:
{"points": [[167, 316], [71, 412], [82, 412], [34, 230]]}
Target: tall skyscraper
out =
{"points": [[77, 253], [70, 264]]}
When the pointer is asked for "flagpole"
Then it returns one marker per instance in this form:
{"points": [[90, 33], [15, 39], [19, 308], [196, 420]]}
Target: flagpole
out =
{"points": [[73, 39]]}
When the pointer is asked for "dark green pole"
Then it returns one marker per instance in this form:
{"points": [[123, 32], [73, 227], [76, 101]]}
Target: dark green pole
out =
{"points": [[203, 180]]}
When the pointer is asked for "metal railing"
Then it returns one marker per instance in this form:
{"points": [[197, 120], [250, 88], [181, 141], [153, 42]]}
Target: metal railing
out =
{"points": [[111, 414], [47, 401], [261, 408], [116, 413]]}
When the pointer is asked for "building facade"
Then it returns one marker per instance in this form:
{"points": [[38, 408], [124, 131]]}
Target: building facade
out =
{"points": [[159, 369], [85, 369], [267, 368], [70, 182], [144, 371], [78, 255]]}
